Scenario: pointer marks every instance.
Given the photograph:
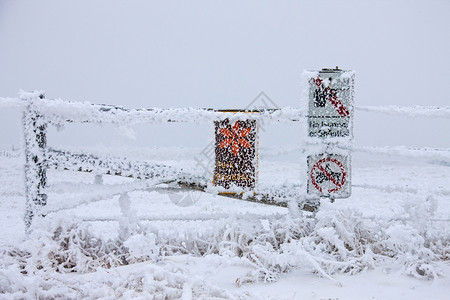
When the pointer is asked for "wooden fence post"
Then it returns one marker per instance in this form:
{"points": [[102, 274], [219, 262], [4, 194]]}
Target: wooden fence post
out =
{"points": [[34, 127]]}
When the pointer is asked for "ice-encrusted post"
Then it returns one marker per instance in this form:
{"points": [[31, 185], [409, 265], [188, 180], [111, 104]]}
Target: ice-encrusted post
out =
{"points": [[34, 130]]}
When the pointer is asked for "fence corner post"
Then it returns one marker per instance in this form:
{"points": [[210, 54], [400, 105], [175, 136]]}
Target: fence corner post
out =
{"points": [[35, 142]]}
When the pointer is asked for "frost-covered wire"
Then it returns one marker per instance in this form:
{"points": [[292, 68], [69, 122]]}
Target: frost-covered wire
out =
{"points": [[410, 111]]}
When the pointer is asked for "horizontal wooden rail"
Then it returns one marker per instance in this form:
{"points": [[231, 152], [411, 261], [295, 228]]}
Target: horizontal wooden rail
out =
{"points": [[74, 111]]}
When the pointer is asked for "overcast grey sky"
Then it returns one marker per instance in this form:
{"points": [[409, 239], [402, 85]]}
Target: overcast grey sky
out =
{"points": [[223, 53]]}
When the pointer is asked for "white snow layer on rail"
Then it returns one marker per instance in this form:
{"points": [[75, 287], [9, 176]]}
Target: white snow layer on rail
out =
{"points": [[59, 111], [412, 111]]}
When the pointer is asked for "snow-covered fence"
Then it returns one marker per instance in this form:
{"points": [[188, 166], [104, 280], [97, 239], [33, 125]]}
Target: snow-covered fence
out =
{"points": [[39, 112]]}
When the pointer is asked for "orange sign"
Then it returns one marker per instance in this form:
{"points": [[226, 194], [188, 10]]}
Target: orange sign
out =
{"points": [[236, 154]]}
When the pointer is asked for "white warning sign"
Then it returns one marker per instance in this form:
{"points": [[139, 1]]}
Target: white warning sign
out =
{"points": [[329, 175], [330, 107]]}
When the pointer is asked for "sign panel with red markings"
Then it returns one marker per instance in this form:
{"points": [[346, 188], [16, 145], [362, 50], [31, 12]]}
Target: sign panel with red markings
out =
{"points": [[236, 154], [330, 107], [329, 175]]}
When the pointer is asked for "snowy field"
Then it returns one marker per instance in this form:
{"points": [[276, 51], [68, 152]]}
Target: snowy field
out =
{"points": [[389, 240]]}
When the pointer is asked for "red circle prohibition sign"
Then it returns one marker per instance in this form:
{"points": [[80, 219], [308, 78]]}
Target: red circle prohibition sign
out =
{"points": [[325, 174]]}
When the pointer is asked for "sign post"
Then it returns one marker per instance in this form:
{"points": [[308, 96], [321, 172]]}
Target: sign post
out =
{"points": [[35, 136], [330, 125]]}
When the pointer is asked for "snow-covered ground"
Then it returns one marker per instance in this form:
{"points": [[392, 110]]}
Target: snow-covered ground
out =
{"points": [[389, 240]]}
